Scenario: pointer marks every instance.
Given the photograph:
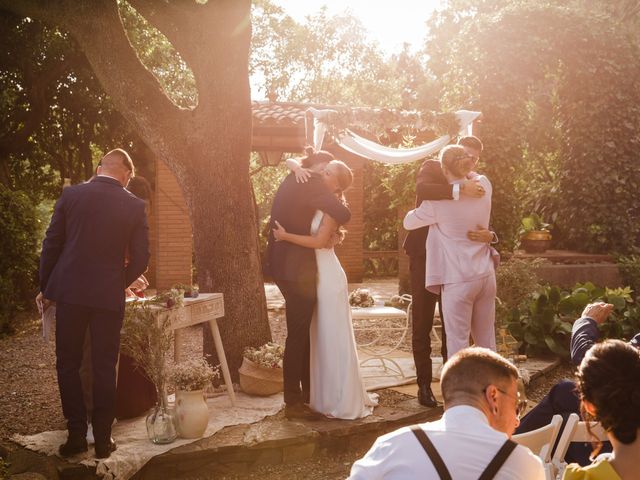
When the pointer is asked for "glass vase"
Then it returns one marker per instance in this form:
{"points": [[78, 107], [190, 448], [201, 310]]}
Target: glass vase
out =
{"points": [[161, 426]]}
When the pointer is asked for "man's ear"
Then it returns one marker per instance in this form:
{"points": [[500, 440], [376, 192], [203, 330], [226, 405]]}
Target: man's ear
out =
{"points": [[590, 408], [491, 394]]}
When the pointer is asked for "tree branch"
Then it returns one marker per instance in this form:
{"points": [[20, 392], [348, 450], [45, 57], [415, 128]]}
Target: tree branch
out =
{"points": [[97, 28]]}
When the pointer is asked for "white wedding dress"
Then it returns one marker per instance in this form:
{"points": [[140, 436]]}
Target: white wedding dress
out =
{"points": [[337, 389]]}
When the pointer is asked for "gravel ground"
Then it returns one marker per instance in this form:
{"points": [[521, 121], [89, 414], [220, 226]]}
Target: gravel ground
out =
{"points": [[29, 402]]}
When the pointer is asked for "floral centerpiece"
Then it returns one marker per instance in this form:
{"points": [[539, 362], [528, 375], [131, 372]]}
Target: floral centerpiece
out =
{"points": [[361, 297], [269, 355], [193, 374], [190, 378], [261, 369], [147, 338]]}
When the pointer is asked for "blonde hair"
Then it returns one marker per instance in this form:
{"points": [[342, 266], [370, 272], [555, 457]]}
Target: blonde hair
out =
{"points": [[344, 175]]}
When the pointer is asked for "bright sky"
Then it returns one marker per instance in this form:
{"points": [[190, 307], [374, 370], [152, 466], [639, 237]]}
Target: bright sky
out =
{"points": [[390, 22]]}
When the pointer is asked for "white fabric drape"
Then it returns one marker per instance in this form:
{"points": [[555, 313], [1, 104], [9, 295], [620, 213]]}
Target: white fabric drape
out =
{"points": [[392, 156]]}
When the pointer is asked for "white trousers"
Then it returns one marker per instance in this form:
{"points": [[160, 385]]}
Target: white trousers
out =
{"points": [[470, 308]]}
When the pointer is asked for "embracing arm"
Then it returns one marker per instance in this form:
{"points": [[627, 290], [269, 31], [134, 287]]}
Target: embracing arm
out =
{"points": [[322, 199], [319, 240], [431, 184], [302, 174], [422, 216]]}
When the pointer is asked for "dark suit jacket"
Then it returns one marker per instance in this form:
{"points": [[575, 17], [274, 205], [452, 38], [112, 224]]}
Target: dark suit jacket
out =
{"points": [[431, 184], [293, 207], [94, 226], [585, 334]]}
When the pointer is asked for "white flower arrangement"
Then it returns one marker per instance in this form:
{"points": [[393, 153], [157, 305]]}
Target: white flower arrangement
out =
{"points": [[269, 355], [194, 374], [361, 297]]}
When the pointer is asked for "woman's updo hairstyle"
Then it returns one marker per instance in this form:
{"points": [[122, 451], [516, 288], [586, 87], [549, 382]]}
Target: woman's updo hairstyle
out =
{"points": [[314, 157], [609, 378], [456, 159]]}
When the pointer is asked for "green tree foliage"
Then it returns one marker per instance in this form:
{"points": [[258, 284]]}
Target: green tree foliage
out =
{"points": [[18, 262], [557, 87]]}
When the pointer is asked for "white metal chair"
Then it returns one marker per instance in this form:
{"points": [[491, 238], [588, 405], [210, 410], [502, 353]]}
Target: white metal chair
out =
{"points": [[541, 440], [576, 431]]}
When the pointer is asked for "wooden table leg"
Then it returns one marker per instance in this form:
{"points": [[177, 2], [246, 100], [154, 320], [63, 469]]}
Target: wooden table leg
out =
{"points": [[217, 340], [177, 345]]}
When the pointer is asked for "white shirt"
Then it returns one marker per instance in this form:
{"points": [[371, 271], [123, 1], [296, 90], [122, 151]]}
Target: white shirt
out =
{"points": [[464, 440]]}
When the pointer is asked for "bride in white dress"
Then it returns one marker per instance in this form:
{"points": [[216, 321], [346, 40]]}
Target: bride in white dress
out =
{"points": [[337, 389]]}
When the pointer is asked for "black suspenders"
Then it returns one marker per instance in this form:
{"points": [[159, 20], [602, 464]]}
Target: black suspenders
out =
{"points": [[441, 468]]}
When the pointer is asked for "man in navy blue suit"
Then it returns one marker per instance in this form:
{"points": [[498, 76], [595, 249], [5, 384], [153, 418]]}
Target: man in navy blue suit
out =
{"points": [[294, 270], [96, 245]]}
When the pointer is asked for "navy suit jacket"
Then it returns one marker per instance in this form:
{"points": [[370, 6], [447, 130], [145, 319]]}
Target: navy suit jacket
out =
{"points": [[585, 334], [294, 206], [431, 184], [95, 225]]}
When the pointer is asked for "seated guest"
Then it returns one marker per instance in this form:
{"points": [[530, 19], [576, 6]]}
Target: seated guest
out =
{"points": [[563, 398], [482, 406], [609, 389]]}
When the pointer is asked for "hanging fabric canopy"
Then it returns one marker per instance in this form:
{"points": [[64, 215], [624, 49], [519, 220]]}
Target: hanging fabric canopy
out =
{"points": [[380, 153]]}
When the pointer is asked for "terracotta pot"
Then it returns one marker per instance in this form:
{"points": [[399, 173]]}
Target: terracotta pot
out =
{"points": [[258, 380], [192, 413], [536, 241]]}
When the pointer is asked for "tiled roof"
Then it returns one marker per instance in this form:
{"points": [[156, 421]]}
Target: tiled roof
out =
{"points": [[281, 114]]}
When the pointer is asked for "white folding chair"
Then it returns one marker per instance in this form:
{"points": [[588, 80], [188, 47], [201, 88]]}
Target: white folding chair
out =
{"points": [[541, 440], [576, 431]]}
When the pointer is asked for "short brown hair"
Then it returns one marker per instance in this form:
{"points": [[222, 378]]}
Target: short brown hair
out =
{"points": [[471, 142], [470, 370], [314, 157]]}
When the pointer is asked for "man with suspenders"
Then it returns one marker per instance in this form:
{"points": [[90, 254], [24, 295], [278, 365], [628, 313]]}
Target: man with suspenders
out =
{"points": [[471, 441]]}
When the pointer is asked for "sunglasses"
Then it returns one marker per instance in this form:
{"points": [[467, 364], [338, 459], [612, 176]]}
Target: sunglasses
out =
{"points": [[521, 402]]}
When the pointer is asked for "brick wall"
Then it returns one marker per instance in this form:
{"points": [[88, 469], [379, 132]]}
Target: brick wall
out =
{"points": [[172, 237], [350, 252]]}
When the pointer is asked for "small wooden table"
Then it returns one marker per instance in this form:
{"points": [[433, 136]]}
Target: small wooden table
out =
{"points": [[377, 323], [206, 307]]}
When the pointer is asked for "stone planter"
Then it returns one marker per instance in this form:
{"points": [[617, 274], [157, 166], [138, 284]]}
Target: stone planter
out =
{"points": [[192, 413], [258, 380], [536, 241]]}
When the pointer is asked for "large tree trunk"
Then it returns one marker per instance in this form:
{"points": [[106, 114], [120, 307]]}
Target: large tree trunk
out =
{"points": [[206, 147]]}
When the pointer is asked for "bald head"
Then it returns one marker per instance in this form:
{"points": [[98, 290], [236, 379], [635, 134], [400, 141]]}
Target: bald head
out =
{"points": [[117, 164]]}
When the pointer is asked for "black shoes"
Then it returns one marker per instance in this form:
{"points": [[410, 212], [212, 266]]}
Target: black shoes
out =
{"points": [[75, 444], [103, 450], [426, 397], [300, 411]]}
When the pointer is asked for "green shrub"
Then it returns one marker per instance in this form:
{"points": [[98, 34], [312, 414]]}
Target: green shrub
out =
{"points": [[19, 260], [629, 267], [516, 280], [543, 323]]}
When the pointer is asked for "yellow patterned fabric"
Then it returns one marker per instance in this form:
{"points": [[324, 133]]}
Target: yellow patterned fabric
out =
{"points": [[600, 470]]}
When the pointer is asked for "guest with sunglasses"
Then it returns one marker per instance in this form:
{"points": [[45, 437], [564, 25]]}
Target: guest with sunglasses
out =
{"points": [[472, 439]]}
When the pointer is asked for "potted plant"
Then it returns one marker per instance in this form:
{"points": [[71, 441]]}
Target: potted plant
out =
{"points": [[190, 378], [261, 369], [361, 298], [534, 234]]}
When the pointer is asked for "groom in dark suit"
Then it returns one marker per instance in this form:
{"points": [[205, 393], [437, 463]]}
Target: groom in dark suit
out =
{"points": [[294, 269], [96, 228]]}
